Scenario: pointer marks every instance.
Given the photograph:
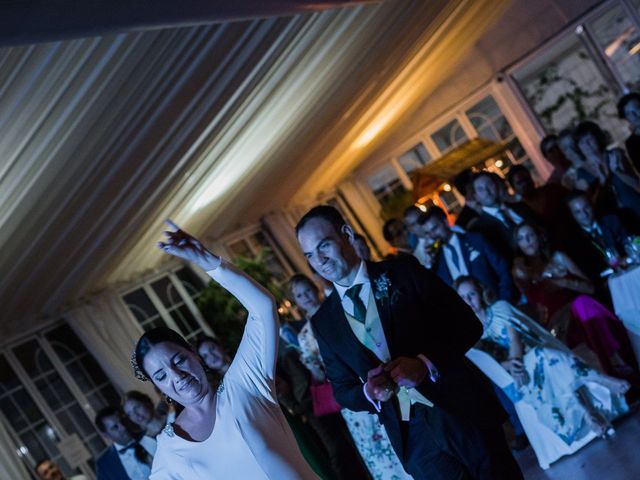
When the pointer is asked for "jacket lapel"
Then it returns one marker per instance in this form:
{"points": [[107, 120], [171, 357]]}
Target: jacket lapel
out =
{"points": [[342, 337], [378, 279]]}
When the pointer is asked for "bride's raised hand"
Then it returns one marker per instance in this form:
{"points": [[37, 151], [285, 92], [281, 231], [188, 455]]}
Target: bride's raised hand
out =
{"points": [[182, 245]]}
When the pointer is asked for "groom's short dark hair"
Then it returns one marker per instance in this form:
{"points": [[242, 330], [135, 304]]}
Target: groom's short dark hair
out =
{"points": [[325, 212]]}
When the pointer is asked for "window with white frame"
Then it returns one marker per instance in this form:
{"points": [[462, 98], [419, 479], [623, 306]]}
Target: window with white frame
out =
{"points": [[255, 242], [416, 157], [582, 73], [481, 118], [449, 136], [619, 39], [385, 183], [51, 387], [490, 123], [169, 300]]}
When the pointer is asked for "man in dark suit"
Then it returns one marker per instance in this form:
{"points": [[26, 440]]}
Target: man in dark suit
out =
{"points": [[129, 457], [396, 234], [462, 182], [393, 337], [498, 218], [595, 236], [469, 253]]}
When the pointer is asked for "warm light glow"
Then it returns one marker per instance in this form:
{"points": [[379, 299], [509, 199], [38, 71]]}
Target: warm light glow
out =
{"points": [[287, 303], [422, 207], [447, 187], [383, 120], [499, 163], [613, 47]]}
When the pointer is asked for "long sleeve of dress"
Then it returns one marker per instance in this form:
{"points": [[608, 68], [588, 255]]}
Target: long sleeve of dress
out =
{"points": [[255, 361]]}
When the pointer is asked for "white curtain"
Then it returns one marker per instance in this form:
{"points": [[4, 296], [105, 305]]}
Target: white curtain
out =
{"points": [[109, 330], [11, 465]]}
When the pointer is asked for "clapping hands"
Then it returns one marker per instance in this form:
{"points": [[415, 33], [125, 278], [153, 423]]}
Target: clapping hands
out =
{"points": [[380, 387], [182, 245]]}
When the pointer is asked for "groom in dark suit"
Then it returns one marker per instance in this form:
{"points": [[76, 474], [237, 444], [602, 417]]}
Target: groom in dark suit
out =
{"points": [[467, 253], [393, 338]]}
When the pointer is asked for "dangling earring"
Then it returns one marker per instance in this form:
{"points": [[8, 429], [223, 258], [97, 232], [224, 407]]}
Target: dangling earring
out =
{"points": [[168, 399]]}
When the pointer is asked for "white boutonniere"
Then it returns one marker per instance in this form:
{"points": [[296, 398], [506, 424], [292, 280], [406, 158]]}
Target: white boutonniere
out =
{"points": [[473, 254], [384, 290], [382, 285]]}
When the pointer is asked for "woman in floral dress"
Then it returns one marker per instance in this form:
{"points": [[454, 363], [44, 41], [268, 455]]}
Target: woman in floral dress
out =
{"points": [[368, 435], [569, 398]]}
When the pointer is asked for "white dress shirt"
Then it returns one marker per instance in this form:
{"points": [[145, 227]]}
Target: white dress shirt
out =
{"points": [[134, 468]]}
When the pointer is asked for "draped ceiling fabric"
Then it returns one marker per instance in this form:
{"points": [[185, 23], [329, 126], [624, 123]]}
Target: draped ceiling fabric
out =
{"points": [[212, 125]]}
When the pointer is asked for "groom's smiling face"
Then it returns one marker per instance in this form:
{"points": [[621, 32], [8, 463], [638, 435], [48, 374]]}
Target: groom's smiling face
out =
{"points": [[328, 251]]}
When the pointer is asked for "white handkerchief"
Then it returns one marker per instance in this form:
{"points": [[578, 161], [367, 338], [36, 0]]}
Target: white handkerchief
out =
{"points": [[473, 254]]}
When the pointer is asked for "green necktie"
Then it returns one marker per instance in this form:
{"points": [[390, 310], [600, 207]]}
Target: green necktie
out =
{"points": [[359, 310]]}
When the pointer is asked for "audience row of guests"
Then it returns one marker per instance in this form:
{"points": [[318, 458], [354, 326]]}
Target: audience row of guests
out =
{"points": [[543, 249]]}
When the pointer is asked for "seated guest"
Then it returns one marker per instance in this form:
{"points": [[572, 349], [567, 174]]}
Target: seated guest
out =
{"points": [[629, 109], [362, 248], [498, 218], [552, 280], [469, 253], [597, 238], [462, 183], [611, 168], [552, 153], [128, 457], [396, 235], [366, 432], [569, 398], [139, 408], [48, 470], [213, 355], [546, 201]]}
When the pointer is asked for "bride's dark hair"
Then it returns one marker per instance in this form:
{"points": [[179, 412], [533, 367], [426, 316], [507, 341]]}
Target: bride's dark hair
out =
{"points": [[147, 341]]}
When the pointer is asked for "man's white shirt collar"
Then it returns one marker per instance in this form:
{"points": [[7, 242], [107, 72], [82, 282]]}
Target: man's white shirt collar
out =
{"points": [[362, 277]]}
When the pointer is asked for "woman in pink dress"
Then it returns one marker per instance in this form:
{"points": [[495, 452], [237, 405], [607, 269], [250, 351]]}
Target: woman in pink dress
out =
{"points": [[553, 282]]}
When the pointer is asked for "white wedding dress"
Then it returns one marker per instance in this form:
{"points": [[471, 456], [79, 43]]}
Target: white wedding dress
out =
{"points": [[251, 438]]}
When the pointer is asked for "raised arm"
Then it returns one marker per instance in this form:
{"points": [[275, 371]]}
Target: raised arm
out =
{"points": [[261, 332]]}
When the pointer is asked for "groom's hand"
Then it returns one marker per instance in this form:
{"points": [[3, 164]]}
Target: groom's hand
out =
{"points": [[406, 371], [379, 385]]}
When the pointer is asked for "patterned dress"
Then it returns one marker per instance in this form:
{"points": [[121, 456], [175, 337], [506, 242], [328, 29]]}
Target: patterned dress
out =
{"points": [[554, 372], [369, 437]]}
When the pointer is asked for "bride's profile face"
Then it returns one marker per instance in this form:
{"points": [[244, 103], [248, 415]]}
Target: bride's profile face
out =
{"points": [[177, 372]]}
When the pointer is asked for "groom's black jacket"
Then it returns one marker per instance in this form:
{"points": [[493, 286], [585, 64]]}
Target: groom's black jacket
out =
{"points": [[420, 314]]}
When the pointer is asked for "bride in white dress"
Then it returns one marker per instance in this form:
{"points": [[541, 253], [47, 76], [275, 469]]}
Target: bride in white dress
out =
{"points": [[237, 431]]}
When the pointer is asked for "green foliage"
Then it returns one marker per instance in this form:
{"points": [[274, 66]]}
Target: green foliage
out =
{"points": [[224, 313], [394, 205]]}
